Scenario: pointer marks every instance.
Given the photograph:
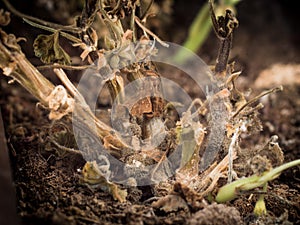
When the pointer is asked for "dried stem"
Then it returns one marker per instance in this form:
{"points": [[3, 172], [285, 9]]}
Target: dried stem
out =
{"points": [[231, 152], [223, 27], [256, 98], [66, 149], [14, 64], [216, 174], [51, 29], [68, 84], [146, 10], [25, 73], [145, 29], [66, 67], [116, 8], [85, 113], [39, 21]]}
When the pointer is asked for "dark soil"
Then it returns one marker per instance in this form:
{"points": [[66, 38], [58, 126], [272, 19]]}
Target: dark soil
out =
{"points": [[46, 179]]}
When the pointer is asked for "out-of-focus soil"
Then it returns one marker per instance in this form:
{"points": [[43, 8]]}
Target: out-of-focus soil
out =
{"points": [[266, 48]]}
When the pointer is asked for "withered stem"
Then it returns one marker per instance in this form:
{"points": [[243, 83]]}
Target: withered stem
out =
{"points": [[256, 98], [137, 20], [116, 8], [39, 21], [223, 27], [66, 67], [146, 10], [51, 29], [223, 55]]}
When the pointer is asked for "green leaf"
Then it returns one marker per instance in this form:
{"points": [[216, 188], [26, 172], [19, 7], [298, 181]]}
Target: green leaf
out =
{"points": [[47, 48]]}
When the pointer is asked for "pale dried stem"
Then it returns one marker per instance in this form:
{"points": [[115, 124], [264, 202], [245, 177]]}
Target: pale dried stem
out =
{"points": [[31, 79], [84, 111], [66, 67], [231, 152], [27, 75], [256, 98], [102, 130], [221, 167], [66, 149], [213, 177], [65, 80], [145, 29]]}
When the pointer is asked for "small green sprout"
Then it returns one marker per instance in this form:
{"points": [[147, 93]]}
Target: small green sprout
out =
{"points": [[232, 190], [260, 206]]}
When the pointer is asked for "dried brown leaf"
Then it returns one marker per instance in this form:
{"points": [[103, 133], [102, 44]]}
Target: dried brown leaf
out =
{"points": [[47, 48], [171, 203]]}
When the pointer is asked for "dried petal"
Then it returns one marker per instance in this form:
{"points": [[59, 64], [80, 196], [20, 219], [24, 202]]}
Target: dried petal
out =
{"points": [[59, 103], [127, 35]]}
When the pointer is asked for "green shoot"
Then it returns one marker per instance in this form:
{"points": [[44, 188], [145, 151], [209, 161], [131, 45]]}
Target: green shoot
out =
{"points": [[232, 190], [260, 206]]}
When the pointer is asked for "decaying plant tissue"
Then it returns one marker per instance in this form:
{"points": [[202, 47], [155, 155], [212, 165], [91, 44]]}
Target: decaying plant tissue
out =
{"points": [[184, 157]]}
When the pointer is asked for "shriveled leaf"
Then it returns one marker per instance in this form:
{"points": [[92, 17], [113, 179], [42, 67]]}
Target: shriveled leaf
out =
{"points": [[92, 175], [171, 203], [10, 41], [4, 18], [47, 48]]}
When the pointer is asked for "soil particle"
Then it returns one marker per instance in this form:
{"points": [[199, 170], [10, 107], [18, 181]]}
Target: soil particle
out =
{"points": [[216, 215]]}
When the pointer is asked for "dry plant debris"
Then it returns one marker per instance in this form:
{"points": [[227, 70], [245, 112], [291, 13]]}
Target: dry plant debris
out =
{"points": [[227, 114]]}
